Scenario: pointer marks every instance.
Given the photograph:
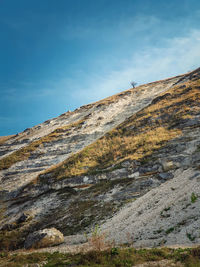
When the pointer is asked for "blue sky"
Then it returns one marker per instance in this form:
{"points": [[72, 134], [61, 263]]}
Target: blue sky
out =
{"points": [[56, 55]]}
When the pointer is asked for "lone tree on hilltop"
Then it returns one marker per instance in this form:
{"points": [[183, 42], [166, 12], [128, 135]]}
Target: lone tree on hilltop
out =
{"points": [[133, 84]]}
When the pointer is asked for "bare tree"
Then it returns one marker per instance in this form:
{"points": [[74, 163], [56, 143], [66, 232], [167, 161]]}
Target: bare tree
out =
{"points": [[133, 84]]}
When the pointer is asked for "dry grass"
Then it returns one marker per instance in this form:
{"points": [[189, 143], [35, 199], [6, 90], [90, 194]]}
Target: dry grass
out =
{"points": [[25, 152], [97, 241], [2, 210], [109, 258], [178, 98], [113, 149], [137, 137], [3, 139], [137, 90]]}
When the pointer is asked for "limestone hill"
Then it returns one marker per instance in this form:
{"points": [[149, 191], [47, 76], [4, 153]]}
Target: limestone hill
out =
{"points": [[130, 162]]}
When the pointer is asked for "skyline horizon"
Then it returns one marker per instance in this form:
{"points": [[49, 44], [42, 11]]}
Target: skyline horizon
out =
{"points": [[59, 56], [167, 78]]}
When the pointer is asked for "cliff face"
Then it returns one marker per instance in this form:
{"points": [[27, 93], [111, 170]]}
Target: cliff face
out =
{"points": [[137, 151]]}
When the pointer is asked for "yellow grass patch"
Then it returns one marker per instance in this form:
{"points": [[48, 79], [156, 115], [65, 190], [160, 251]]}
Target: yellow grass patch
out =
{"points": [[135, 138], [111, 150], [3, 139], [25, 152]]}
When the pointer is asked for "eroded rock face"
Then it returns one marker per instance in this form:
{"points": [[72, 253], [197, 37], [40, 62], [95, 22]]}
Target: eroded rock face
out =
{"points": [[44, 238], [73, 204], [85, 127]]}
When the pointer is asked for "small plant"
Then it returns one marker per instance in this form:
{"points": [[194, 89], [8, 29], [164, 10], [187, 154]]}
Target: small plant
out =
{"points": [[190, 237], [3, 254], [97, 240], [158, 231], [168, 231], [164, 214], [114, 251], [193, 198], [166, 209], [130, 238]]}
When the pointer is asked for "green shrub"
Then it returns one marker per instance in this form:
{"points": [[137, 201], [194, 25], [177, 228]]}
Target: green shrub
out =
{"points": [[193, 197], [190, 237], [168, 231]]}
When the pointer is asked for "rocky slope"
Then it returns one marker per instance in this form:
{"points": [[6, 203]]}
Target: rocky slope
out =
{"points": [[55, 140], [136, 154]]}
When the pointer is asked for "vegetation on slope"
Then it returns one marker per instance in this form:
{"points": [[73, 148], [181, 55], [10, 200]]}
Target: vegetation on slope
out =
{"points": [[25, 152], [139, 136], [118, 257], [3, 139]]}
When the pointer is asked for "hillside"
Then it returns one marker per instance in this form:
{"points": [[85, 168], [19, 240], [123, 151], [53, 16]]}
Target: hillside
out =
{"points": [[130, 162]]}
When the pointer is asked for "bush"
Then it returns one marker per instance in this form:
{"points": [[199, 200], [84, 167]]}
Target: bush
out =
{"points": [[193, 198], [98, 240]]}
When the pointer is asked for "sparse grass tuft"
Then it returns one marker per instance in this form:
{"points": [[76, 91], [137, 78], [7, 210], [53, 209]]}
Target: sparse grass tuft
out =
{"points": [[10, 240], [190, 237], [97, 241], [193, 197], [3, 139], [168, 231]]}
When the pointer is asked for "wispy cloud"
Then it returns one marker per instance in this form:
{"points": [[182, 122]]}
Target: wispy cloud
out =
{"points": [[179, 55]]}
